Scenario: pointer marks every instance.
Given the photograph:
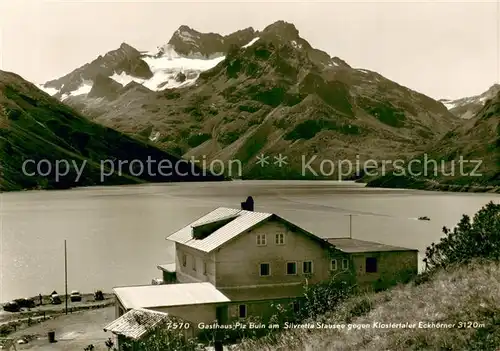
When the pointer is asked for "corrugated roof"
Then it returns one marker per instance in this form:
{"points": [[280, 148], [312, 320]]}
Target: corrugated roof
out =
{"points": [[135, 323], [168, 295], [349, 245], [243, 220]]}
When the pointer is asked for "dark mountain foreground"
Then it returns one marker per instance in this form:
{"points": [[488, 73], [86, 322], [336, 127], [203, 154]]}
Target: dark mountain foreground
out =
{"points": [[45, 144]]}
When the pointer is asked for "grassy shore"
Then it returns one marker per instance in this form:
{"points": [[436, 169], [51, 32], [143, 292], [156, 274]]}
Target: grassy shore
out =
{"points": [[467, 299]]}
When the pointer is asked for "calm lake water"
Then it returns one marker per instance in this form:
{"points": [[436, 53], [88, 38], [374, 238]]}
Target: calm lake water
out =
{"points": [[116, 235]]}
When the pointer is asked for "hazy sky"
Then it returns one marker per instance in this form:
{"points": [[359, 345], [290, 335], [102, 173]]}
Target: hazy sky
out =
{"points": [[442, 49]]}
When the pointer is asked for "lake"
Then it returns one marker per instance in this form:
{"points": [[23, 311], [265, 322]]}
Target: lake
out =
{"points": [[116, 235]]}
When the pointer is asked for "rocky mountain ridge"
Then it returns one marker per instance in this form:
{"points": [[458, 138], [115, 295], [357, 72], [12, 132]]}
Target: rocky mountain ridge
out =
{"points": [[175, 64], [275, 94], [467, 157], [125, 59], [467, 107], [191, 43]]}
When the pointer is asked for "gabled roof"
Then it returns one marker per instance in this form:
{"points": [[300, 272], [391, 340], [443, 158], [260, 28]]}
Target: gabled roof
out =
{"points": [[135, 323], [242, 222], [168, 295], [349, 245]]}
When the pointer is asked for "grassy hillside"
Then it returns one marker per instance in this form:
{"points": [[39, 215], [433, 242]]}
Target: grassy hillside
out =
{"points": [[38, 129], [467, 297], [468, 158]]}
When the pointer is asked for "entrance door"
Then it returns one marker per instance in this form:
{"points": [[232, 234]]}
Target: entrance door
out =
{"points": [[222, 314]]}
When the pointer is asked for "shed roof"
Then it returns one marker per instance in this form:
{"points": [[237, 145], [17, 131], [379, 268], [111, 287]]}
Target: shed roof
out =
{"points": [[242, 221], [135, 323], [349, 245], [168, 295]]}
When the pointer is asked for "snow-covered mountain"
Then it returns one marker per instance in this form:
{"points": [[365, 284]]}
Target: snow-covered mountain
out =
{"points": [[176, 64], [249, 91], [168, 70], [173, 65], [467, 107]]}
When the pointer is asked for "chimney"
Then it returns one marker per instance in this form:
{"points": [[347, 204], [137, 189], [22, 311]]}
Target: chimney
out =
{"points": [[248, 204]]}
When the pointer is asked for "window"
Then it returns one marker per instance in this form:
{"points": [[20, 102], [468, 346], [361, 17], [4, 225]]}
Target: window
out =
{"points": [[242, 311], [345, 264], [194, 264], [204, 268], [296, 306], [333, 265], [371, 265], [291, 268], [265, 269], [307, 267], [280, 239], [261, 240], [184, 260]]}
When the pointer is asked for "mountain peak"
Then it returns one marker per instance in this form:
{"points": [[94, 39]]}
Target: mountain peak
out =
{"points": [[494, 89], [189, 42], [283, 29], [185, 27], [186, 30], [128, 48], [282, 26]]}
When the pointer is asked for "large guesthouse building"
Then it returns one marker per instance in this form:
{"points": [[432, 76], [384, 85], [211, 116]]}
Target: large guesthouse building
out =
{"points": [[234, 263]]}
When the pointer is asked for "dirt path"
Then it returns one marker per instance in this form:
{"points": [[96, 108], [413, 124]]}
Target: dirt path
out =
{"points": [[74, 331]]}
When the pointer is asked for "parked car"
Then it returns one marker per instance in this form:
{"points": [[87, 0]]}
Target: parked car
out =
{"points": [[98, 295], [55, 299], [75, 296], [25, 303], [11, 306]]}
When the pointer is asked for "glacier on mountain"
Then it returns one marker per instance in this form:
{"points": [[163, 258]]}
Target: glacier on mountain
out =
{"points": [[250, 43], [50, 91], [165, 64]]}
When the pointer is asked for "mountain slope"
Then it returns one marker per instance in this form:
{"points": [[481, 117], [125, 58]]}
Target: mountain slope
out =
{"points": [[37, 130], [468, 157], [469, 106], [275, 95]]}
